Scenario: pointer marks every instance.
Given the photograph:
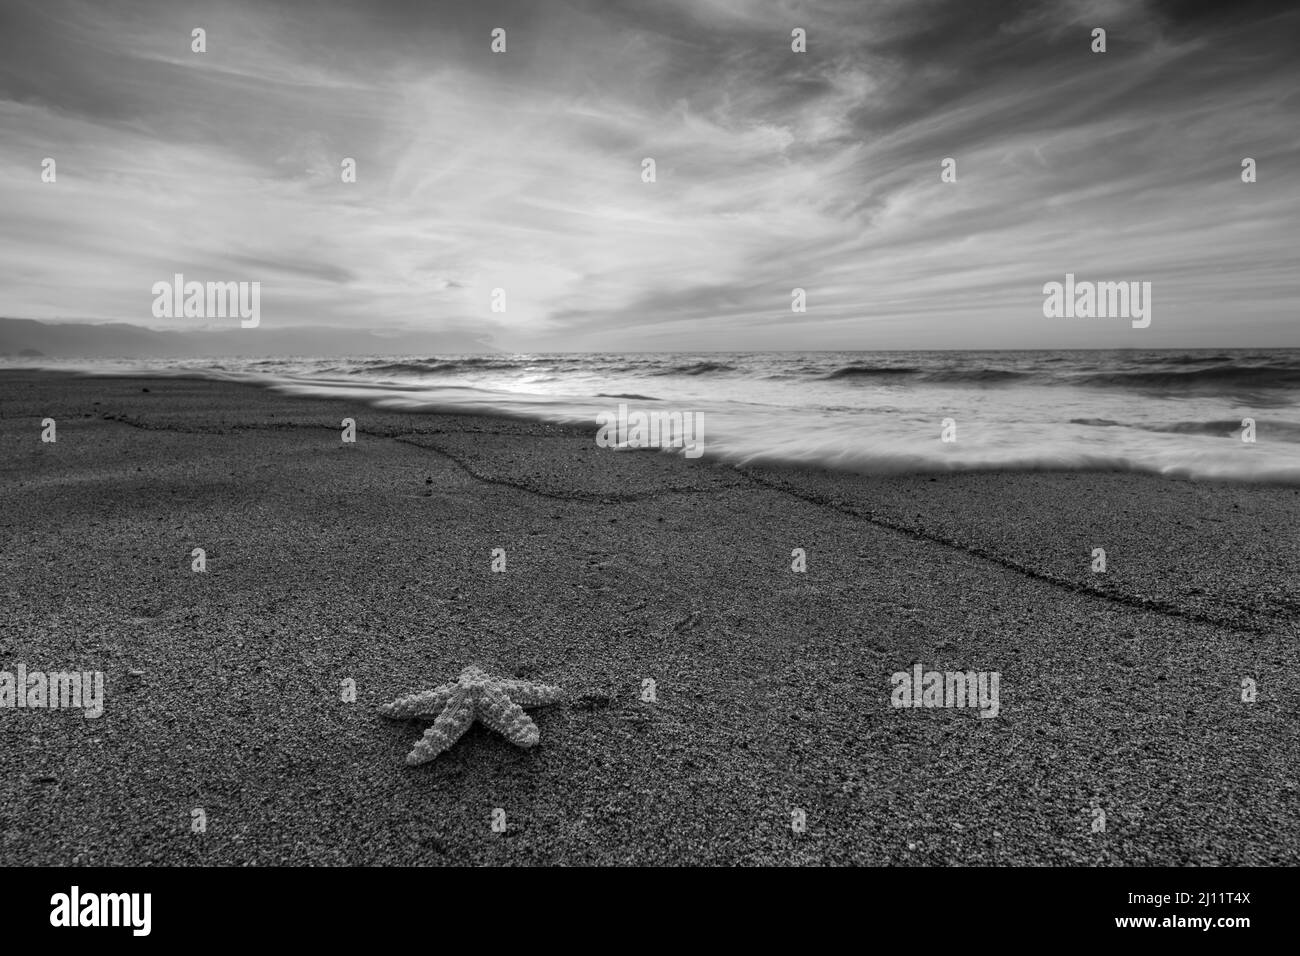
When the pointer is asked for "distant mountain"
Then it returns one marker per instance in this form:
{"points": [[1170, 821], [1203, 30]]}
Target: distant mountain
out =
{"points": [[28, 337]]}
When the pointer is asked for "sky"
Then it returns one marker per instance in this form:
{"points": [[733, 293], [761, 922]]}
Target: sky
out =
{"points": [[774, 170]]}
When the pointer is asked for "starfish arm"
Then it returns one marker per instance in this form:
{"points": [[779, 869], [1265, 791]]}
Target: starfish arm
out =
{"points": [[527, 694], [507, 718], [446, 730], [422, 704]]}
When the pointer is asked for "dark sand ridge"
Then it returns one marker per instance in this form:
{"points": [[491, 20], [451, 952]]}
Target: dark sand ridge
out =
{"points": [[328, 562]]}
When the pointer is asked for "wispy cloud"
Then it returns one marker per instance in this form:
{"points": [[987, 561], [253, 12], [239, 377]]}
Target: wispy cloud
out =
{"points": [[522, 171]]}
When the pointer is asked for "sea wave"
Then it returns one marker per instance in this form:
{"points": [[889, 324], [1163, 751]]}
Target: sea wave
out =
{"points": [[941, 376], [870, 371], [1211, 378], [1180, 375], [429, 366], [696, 368]]}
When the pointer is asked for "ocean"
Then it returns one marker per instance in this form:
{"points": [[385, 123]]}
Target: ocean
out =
{"points": [[1185, 413]]}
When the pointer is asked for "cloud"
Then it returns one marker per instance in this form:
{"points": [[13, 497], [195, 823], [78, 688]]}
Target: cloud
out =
{"points": [[522, 171]]}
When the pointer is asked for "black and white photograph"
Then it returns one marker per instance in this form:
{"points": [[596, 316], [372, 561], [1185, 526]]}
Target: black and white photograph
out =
{"points": [[692, 433]]}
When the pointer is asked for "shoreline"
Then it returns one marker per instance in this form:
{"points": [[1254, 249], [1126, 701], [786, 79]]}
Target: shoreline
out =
{"points": [[372, 563], [903, 463]]}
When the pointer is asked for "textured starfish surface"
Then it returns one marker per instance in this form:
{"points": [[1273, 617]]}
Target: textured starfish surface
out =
{"points": [[474, 695]]}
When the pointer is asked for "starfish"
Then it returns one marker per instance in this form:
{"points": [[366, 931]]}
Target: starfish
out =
{"points": [[498, 703]]}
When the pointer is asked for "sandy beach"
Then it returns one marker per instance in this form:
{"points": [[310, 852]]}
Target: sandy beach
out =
{"points": [[372, 562]]}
